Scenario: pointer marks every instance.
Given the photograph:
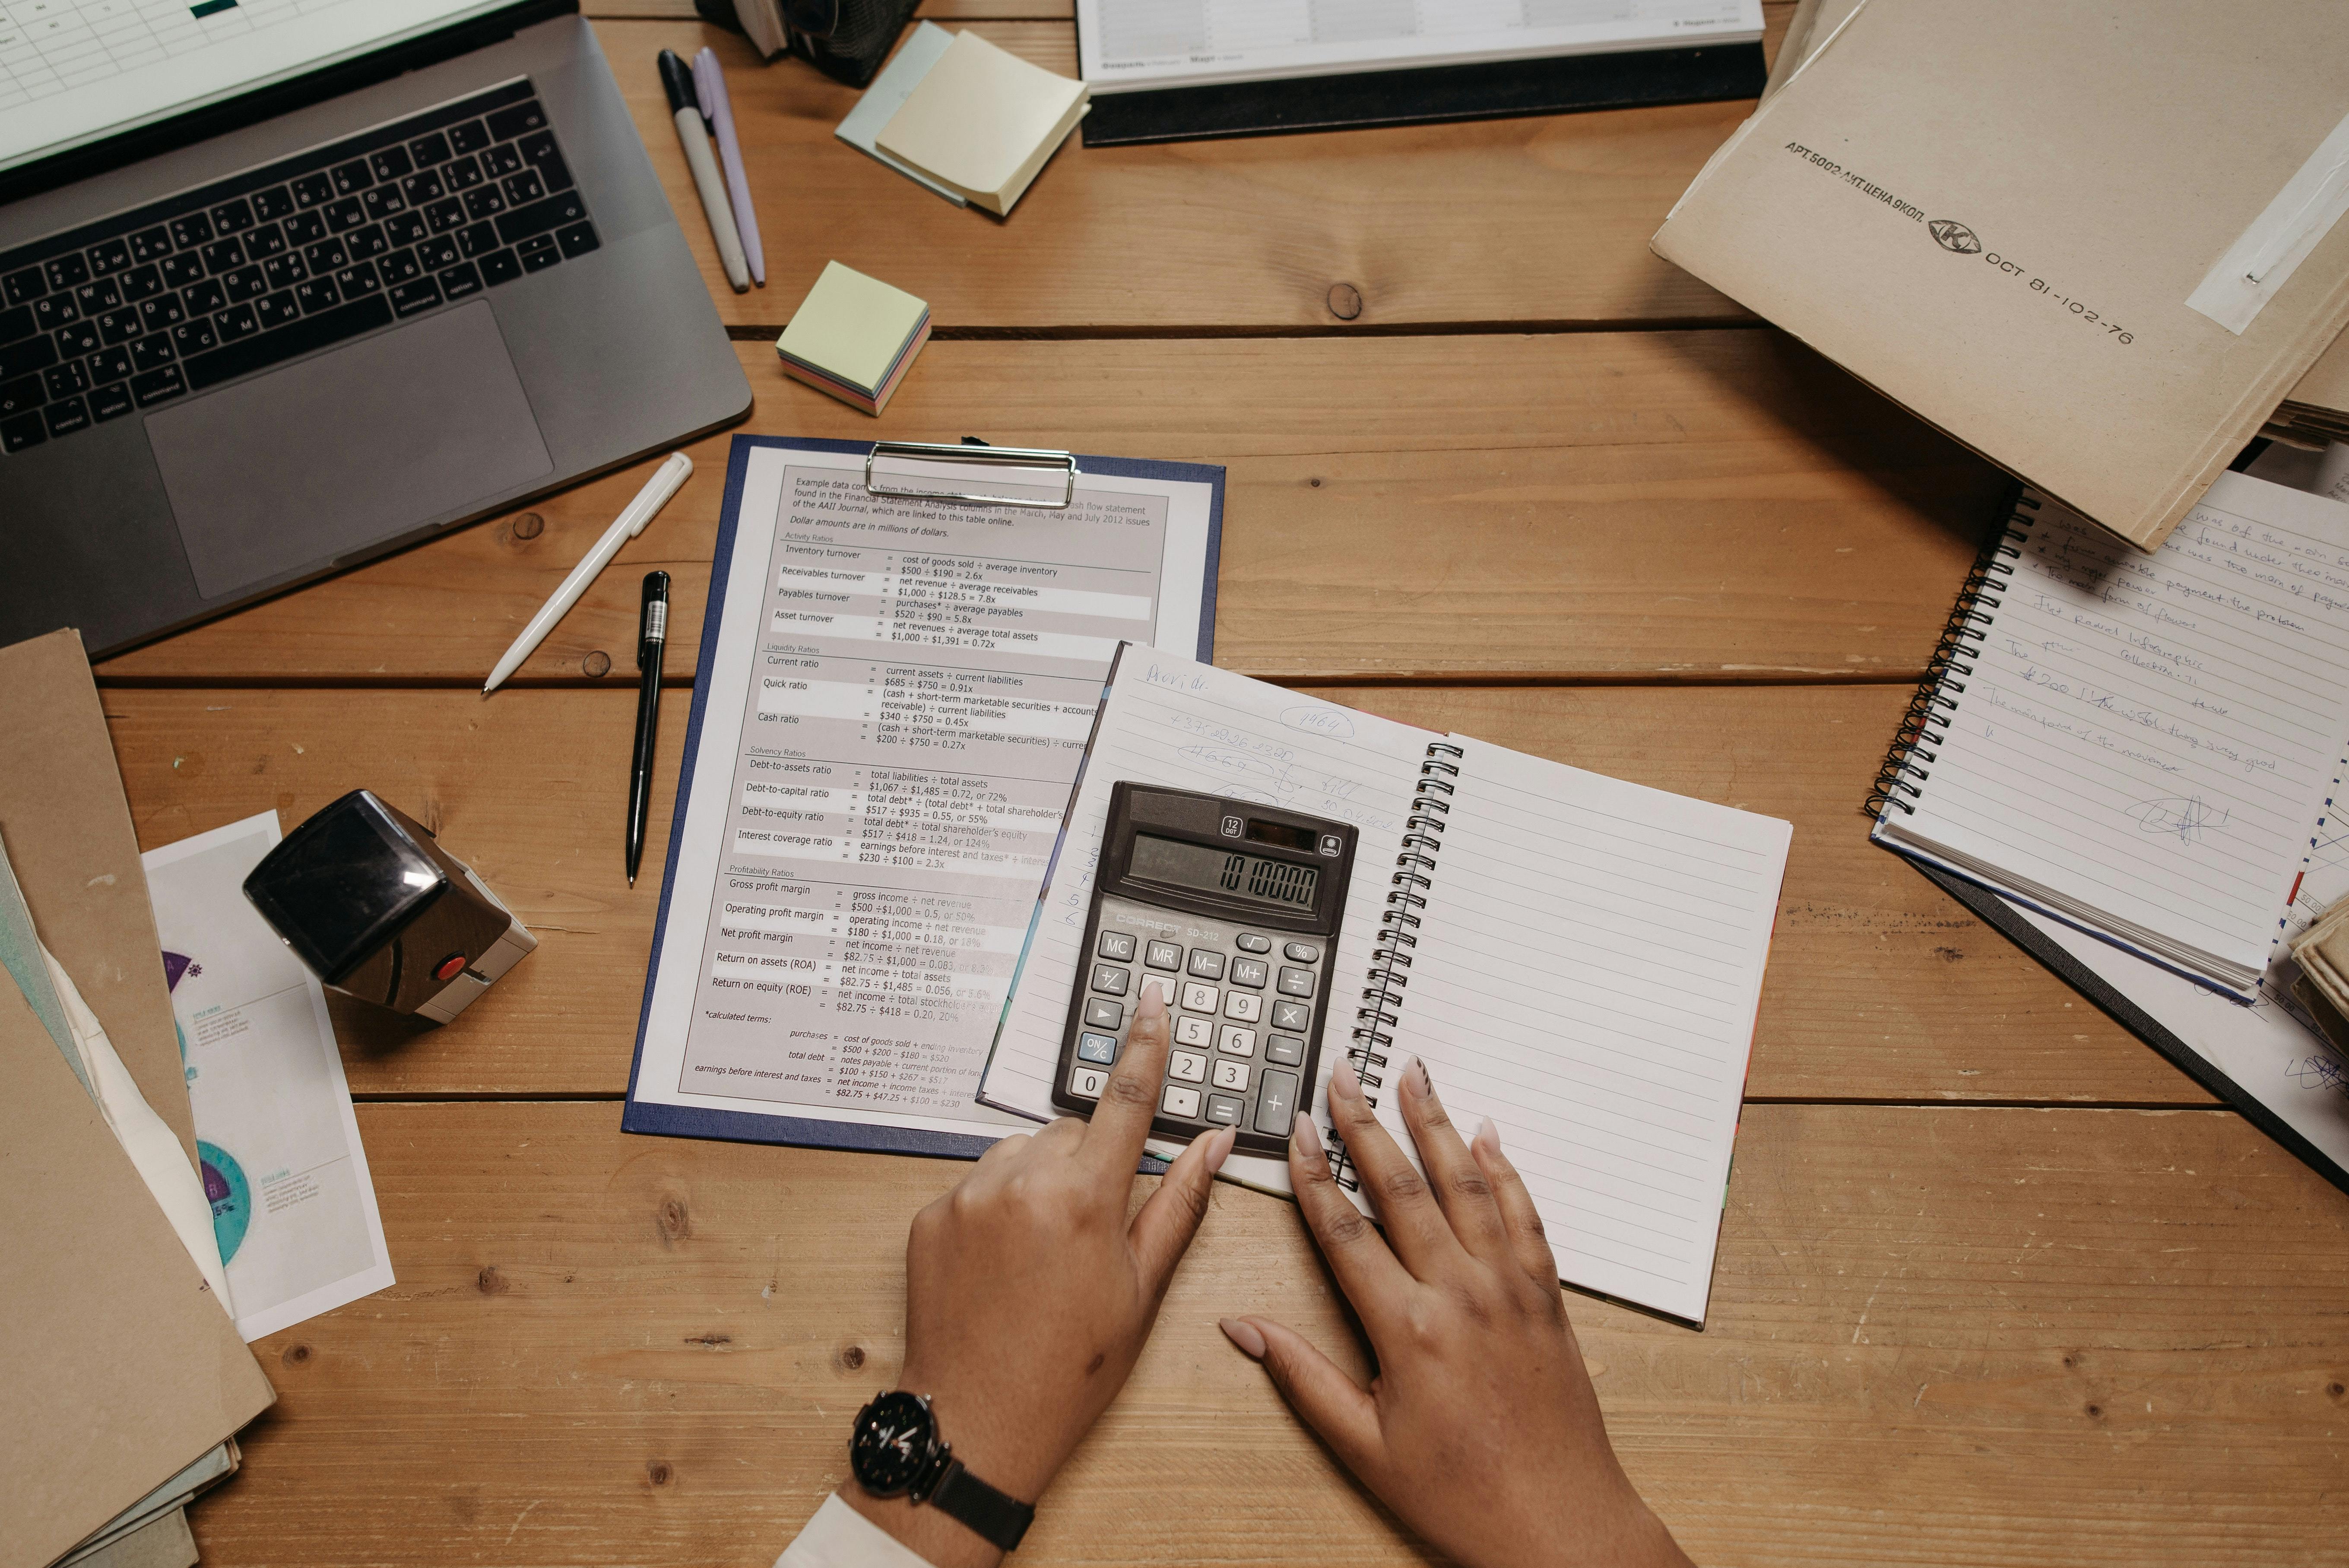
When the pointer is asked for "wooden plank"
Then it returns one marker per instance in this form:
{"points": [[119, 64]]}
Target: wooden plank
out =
{"points": [[1686, 505], [1541, 220], [1879, 985], [1989, 1336]]}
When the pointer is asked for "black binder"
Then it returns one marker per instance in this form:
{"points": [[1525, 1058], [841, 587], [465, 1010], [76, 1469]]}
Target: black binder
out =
{"points": [[1491, 90]]}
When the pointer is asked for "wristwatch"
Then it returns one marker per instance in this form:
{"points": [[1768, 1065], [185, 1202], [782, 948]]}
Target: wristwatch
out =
{"points": [[894, 1451]]}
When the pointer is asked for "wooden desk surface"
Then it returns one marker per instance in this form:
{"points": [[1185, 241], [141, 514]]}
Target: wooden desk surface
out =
{"points": [[1997, 1285]]}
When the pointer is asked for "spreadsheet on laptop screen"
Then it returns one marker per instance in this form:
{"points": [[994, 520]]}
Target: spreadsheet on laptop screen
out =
{"points": [[74, 71], [1135, 43]]}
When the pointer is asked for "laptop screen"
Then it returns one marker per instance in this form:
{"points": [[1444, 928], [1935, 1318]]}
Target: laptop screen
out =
{"points": [[73, 72]]}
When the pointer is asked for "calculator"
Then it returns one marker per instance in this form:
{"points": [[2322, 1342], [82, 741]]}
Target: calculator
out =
{"points": [[1230, 909]]}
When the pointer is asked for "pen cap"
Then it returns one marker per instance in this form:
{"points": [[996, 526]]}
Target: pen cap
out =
{"points": [[652, 618], [368, 899], [677, 81]]}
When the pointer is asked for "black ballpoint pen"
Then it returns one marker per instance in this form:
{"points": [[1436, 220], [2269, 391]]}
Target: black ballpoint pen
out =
{"points": [[652, 638]]}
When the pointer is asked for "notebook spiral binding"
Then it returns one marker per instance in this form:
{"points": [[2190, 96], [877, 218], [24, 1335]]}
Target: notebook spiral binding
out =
{"points": [[1926, 724], [1390, 971]]}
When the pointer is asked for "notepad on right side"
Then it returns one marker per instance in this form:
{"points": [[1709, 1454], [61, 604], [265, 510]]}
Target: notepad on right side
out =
{"points": [[2142, 746]]}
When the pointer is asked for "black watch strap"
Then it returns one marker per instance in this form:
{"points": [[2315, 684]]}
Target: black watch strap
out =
{"points": [[998, 1519]]}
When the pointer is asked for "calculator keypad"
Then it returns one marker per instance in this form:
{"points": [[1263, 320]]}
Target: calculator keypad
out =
{"points": [[1241, 1021]]}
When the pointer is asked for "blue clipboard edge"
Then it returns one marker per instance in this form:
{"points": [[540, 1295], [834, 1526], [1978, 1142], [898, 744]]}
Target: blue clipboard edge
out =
{"points": [[1994, 911], [745, 1127]]}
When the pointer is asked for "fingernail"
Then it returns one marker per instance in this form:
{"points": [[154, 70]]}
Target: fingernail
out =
{"points": [[1489, 1135], [1243, 1334], [1420, 1081], [1219, 1147], [1153, 1005], [1306, 1136], [1342, 1081]]}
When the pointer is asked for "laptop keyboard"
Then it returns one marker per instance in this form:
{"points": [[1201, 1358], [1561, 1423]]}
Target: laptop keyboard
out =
{"points": [[273, 262]]}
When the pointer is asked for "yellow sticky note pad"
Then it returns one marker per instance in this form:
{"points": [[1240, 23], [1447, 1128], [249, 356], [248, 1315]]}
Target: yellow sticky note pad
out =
{"points": [[855, 331]]}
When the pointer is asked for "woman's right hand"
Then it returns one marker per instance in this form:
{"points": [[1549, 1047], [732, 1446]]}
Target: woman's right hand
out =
{"points": [[1481, 1430]]}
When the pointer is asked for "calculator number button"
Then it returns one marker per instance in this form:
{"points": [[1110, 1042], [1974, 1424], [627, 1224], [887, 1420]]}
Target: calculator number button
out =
{"points": [[1180, 1101], [1250, 942], [1099, 1049], [1249, 972], [1206, 963], [1163, 956], [1086, 1082], [1245, 1005], [1110, 979], [1293, 983], [1192, 1031], [1236, 1041], [1184, 1067], [1287, 1051], [1232, 1075], [1117, 944], [1223, 1110], [1197, 997], [1103, 1014], [1158, 983], [1291, 1016], [1302, 953], [1276, 1102]]}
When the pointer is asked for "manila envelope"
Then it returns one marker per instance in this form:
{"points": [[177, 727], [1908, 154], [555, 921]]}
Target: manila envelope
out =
{"points": [[1997, 213], [118, 1367], [67, 825]]}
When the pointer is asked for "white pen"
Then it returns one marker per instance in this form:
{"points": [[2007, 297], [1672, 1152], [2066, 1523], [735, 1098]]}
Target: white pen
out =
{"points": [[664, 483], [677, 81], [717, 110]]}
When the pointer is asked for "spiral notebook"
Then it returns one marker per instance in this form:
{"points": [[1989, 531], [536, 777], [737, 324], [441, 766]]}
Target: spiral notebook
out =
{"points": [[1576, 957], [2143, 747]]}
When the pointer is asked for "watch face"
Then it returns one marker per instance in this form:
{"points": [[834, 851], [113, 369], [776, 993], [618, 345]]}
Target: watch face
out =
{"points": [[892, 1443]]}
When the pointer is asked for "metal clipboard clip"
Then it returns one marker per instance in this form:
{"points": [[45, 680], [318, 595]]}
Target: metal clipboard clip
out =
{"points": [[916, 484]]}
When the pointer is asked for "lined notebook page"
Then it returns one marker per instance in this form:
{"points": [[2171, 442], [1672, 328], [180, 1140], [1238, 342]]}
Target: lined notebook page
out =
{"points": [[2144, 742], [1186, 726], [1588, 965]]}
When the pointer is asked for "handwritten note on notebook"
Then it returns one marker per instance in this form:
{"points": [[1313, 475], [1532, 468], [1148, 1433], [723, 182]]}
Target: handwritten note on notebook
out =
{"points": [[2143, 744]]}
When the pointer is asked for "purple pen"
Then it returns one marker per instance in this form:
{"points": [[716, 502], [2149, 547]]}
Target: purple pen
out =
{"points": [[709, 86]]}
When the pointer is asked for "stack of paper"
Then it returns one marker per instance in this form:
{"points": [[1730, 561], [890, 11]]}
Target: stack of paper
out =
{"points": [[854, 337], [106, 1229], [978, 123]]}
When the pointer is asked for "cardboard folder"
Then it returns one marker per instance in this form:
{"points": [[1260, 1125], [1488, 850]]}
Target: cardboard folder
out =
{"points": [[117, 1367], [1997, 213], [67, 825]]}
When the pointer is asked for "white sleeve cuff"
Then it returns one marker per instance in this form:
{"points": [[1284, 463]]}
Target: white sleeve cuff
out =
{"points": [[839, 1537]]}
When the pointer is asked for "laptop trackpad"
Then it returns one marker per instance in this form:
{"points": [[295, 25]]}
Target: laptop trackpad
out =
{"points": [[347, 450]]}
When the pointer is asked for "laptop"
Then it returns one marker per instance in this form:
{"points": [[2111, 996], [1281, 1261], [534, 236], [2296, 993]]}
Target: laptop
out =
{"points": [[285, 285]]}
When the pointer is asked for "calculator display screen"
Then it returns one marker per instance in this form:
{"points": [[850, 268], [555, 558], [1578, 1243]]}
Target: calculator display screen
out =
{"points": [[1226, 871]]}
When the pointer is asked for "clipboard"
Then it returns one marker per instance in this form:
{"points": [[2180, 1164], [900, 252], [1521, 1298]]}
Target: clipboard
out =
{"points": [[980, 469]]}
